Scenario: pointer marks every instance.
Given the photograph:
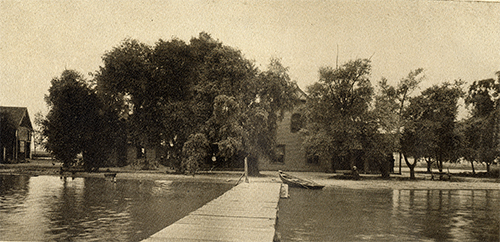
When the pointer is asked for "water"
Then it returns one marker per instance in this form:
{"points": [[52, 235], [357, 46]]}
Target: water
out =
{"points": [[334, 214], [48, 208]]}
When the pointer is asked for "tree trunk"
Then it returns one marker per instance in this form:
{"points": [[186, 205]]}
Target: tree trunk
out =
{"points": [[385, 171], [440, 165], [412, 172], [385, 166], [472, 165], [352, 160], [429, 165], [400, 162], [332, 169], [253, 166], [412, 167], [487, 167]]}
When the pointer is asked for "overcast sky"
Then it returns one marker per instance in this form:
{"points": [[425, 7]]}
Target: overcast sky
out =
{"points": [[449, 39]]}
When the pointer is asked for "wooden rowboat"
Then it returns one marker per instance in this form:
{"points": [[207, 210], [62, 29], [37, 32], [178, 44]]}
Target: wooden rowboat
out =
{"points": [[294, 181]]}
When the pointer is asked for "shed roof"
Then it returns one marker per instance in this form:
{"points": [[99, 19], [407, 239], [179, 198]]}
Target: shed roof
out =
{"points": [[17, 116]]}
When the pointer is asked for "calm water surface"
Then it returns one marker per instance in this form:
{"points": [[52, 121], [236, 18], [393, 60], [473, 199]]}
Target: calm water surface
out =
{"points": [[334, 214], [92, 209]]}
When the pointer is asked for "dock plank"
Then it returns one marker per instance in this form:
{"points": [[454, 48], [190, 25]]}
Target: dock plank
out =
{"points": [[227, 222], [247, 212]]}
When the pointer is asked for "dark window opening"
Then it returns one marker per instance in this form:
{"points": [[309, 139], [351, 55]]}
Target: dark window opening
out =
{"points": [[296, 123], [313, 159], [140, 152]]}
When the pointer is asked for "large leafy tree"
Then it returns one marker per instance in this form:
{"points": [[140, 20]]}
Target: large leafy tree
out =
{"points": [[175, 75], [75, 123], [225, 130], [223, 86], [245, 110], [241, 103], [149, 87], [444, 107], [125, 82], [429, 128], [391, 103], [466, 137], [419, 137], [339, 122], [275, 94], [481, 132]]}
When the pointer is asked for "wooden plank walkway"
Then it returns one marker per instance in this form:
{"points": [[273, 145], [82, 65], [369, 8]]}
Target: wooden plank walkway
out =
{"points": [[247, 212]]}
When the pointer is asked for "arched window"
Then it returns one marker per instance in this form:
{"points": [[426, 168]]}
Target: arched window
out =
{"points": [[296, 123]]}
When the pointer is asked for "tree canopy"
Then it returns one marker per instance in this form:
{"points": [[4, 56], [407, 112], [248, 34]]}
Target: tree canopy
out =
{"points": [[340, 123], [205, 104], [429, 124], [482, 128], [173, 90], [75, 122]]}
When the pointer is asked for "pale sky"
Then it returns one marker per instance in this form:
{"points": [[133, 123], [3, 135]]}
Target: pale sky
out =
{"points": [[449, 39]]}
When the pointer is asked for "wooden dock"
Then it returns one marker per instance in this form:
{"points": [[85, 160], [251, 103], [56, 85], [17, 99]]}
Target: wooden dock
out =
{"points": [[247, 212]]}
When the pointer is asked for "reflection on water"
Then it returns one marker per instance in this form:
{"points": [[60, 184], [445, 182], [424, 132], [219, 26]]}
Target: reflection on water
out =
{"points": [[334, 214], [94, 209]]}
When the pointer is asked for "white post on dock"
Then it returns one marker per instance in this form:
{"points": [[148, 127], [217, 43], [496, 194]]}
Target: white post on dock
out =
{"points": [[284, 191], [246, 170]]}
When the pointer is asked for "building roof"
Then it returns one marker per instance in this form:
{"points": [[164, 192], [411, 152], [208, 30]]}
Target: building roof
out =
{"points": [[301, 94], [16, 116]]}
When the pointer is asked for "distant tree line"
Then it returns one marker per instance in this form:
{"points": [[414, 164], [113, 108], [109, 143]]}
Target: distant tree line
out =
{"points": [[349, 122], [208, 106]]}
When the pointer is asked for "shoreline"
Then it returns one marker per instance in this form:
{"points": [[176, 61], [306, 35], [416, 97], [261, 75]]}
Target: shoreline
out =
{"points": [[367, 181], [401, 182]]}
